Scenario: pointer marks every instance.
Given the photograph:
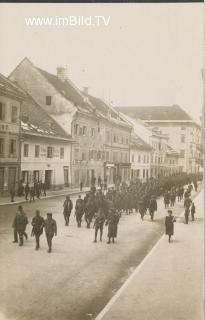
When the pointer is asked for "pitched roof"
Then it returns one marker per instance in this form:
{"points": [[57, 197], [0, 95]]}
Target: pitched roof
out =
{"points": [[104, 110], [170, 113], [69, 90], [8, 87], [36, 121], [138, 143]]}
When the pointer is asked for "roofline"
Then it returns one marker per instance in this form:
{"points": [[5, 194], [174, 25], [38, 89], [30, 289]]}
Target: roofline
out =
{"points": [[24, 132]]}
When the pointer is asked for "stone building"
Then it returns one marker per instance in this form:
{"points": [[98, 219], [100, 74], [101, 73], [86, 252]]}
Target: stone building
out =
{"points": [[159, 144], [11, 98], [85, 118], [140, 158], [45, 148], [184, 134]]}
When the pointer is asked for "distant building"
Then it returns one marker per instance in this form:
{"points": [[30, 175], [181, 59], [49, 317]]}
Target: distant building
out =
{"points": [[140, 158], [161, 152], [184, 134], [95, 126], [45, 148], [11, 98]]}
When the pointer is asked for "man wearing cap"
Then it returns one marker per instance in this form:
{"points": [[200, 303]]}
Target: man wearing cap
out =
{"points": [[50, 230], [152, 207], [20, 224], [37, 230], [68, 206], [169, 224]]}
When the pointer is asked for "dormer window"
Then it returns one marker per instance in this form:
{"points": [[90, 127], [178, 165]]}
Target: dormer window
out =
{"points": [[48, 100]]}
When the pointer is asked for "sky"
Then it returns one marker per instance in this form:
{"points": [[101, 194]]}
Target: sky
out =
{"points": [[149, 54]]}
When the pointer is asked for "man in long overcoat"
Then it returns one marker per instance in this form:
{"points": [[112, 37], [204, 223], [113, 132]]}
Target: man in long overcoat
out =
{"points": [[50, 230], [152, 207], [20, 223], [37, 230], [68, 206], [169, 224], [112, 222], [79, 211]]}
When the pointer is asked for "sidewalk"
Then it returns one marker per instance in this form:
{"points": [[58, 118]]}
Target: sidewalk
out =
{"points": [[50, 194], [168, 284]]}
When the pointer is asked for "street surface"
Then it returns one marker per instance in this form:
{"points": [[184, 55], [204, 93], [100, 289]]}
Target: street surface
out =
{"points": [[79, 277], [169, 282]]}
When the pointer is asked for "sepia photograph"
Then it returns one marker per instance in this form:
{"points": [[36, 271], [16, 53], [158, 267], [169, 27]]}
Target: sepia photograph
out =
{"points": [[101, 161]]}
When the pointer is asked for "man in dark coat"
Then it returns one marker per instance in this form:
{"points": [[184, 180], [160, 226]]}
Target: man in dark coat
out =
{"points": [[20, 223], [79, 211], [112, 222], [27, 190], [50, 230], [68, 206], [166, 199], [152, 207], [169, 225], [37, 230], [90, 209], [99, 223], [142, 208]]}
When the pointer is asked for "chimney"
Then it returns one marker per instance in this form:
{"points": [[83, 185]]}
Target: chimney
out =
{"points": [[85, 90], [62, 73]]}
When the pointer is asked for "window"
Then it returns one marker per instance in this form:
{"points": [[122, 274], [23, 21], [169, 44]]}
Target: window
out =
{"points": [[91, 154], [76, 129], [2, 111], [49, 152], [14, 114], [122, 140], [62, 153], [147, 159], [144, 159], [115, 156], [25, 150], [12, 147], [1, 146], [127, 140], [133, 157], [114, 138], [98, 155], [48, 100], [107, 136], [99, 130], [139, 158], [80, 131], [37, 151], [126, 158], [143, 173], [182, 153], [182, 138], [107, 155], [92, 131], [84, 130]]}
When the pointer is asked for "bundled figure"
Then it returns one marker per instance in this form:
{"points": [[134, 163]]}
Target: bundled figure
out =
{"points": [[37, 230], [169, 225], [50, 230], [112, 223], [79, 211], [68, 206], [99, 223], [152, 207]]}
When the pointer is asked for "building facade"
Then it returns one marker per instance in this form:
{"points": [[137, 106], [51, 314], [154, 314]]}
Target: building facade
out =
{"points": [[184, 134], [45, 148], [86, 118], [11, 98], [140, 158]]}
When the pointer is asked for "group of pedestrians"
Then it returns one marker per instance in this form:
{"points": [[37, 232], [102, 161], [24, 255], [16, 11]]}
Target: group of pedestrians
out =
{"points": [[29, 191], [104, 208]]}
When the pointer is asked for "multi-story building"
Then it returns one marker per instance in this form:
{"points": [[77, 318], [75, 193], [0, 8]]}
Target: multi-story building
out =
{"points": [[184, 134], [140, 158], [11, 98], [160, 147], [87, 119], [45, 148]]}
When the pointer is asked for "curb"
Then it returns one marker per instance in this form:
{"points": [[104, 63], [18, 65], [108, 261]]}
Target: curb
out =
{"points": [[47, 197]]}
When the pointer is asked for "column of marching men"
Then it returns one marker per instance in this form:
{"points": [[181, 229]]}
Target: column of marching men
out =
{"points": [[101, 208]]}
